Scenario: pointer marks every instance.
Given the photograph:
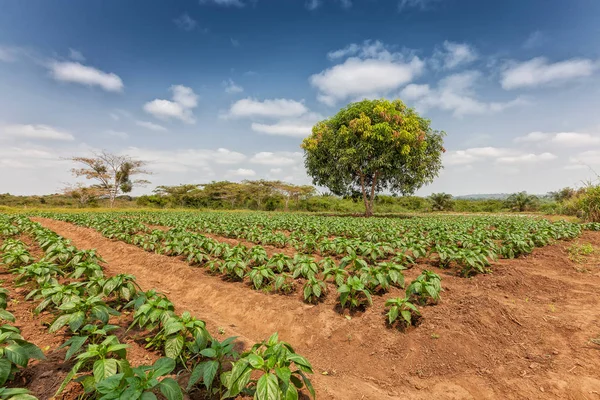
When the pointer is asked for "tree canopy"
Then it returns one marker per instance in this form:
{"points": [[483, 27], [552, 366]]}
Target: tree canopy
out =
{"points": [[371, 146]]}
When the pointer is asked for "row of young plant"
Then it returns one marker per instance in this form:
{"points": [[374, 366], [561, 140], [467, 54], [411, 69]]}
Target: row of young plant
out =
{"points": [[355, 280], [70, 284], [467, 242]]}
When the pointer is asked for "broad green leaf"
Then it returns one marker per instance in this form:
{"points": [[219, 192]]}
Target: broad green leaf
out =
{"points": [[267, 388], [170, 389], [173, 346], [104, 368], [210, 371], [5, 367]]}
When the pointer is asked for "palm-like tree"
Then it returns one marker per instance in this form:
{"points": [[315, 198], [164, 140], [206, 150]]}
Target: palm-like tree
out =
{"points": [[521, 201], [441, 201]]}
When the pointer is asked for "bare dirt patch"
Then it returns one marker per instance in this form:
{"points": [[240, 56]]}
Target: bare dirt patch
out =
{"points": [[522, 332]]}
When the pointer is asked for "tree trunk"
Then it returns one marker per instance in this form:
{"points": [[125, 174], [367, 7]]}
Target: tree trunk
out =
{"points": [[372, 197], [368, 210], [287, 200]]}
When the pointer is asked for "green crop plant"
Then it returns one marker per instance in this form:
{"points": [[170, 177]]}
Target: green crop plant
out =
{"points": [[269, 370], [314, 290], [305, 266], [403, 309], [103, 360], [280, 262], [89, 334], [150, 309], [284, 283], [15, 352], [82, 311], [174, 333], [16, 257], [40, 272], [353, 261], [354, 293], [56, 295], [425, 288], [261, 276], [208, 364], [139, 383], [337, 274]]}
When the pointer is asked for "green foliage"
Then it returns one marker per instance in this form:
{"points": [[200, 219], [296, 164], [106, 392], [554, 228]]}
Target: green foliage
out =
{"points": [[522, 202], [270, 370], [261, 276], [354, 293], [377, 145], [425, 288], [403, 308], [16, 394], [210, 366], [82, 311], [441, 201], [141, 383], [151, 309], [15, 352], [579, 251], [314, 290]]}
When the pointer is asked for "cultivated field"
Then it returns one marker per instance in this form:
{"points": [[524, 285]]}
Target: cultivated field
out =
{"points": [[449, 307]]}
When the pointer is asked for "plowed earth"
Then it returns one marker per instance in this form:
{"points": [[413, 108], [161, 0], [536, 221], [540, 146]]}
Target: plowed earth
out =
{"points": [[522, 332]]}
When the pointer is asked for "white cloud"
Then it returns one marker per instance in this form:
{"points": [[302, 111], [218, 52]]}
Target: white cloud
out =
{"points": [[453, 55], [296, 127], [184, 100], [276, 170], [526, 158], [564, 139], [270, 108], [117, 134], [150, 125], [44, 132], [532, 137], [231, 87], [538, 72], [114, 116], [241, 173], [10, 54], [357, 78], [414, 91], [234, 42], [76, 55], [226, 3], [493, 154], [185, 22], [68, 71], [183, 160], [456, 93], [278, 159], [574, 139]]}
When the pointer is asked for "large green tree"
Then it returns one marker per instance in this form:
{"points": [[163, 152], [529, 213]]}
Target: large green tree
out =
{"points": [[371, 146]]}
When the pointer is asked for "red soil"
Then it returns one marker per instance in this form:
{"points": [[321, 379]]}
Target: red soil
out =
{"points": [[522, 332]]}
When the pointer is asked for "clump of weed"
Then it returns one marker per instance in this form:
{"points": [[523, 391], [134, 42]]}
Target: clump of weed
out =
{"points": [[578, 251]]}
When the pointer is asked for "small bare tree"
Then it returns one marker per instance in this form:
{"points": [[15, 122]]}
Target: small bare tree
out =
{"points": [[112, 172]]}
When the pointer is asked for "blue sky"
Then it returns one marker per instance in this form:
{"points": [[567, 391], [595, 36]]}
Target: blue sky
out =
{"points": [[226, 89]]}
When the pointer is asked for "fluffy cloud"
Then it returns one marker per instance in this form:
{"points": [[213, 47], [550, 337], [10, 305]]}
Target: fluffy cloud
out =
{"points": [[452, 55], [270, 108], [564, 139], [231, 87], [117, 134], [455, 93], [43, 132], [494, 154], [585, 159], [185, 22], [184, 100], [241, 173], [312, 4], [184, 160], [538, 72], [296, 127], [68, 71], [278, 159], [150, 125], [372, 69], [357, 78]]}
